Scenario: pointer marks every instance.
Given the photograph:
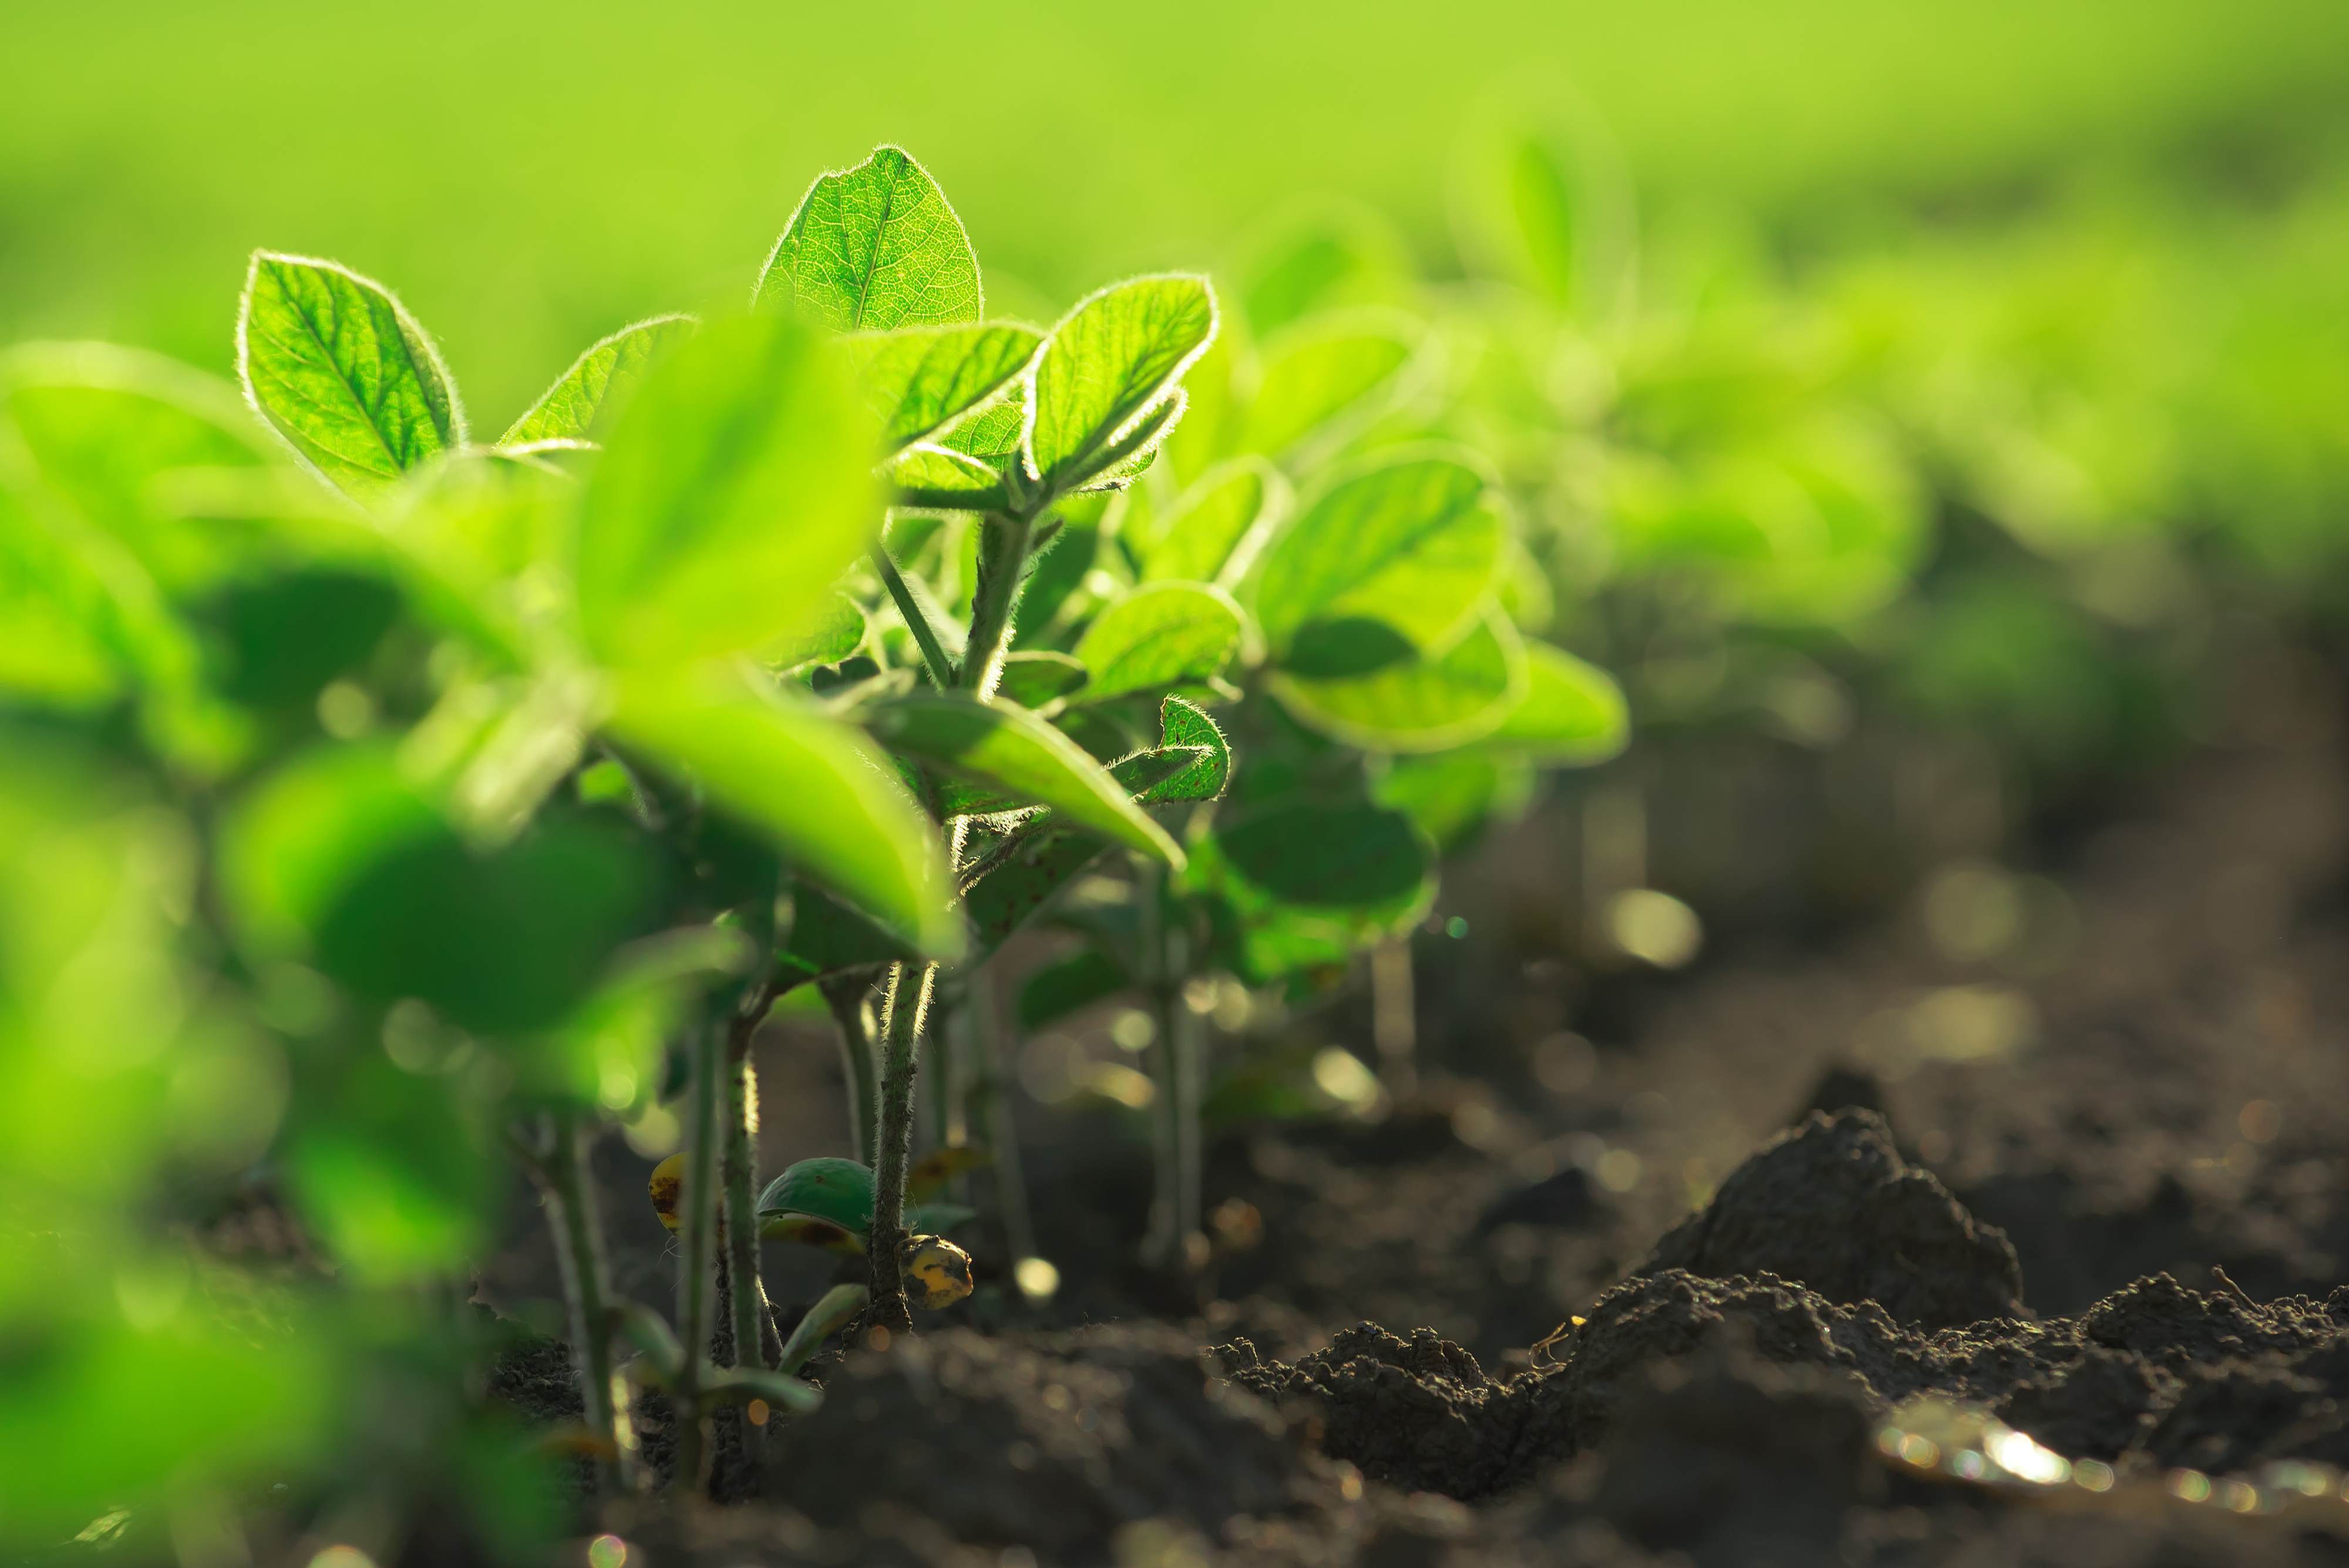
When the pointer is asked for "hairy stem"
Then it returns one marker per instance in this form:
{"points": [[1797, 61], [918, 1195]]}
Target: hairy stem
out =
{"points": [[697, 1262], [569, 1190], [908, 996], [846, 995], [995, 596], [755, 1337]]}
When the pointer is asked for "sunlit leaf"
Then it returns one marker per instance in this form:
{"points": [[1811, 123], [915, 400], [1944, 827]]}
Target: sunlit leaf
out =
{"points": [[584, 397], [338, 367], [1330, 376], [872, 248], [1213, 531], [1160, 635], [1109, 363], [1416, 702], [1572, 713], [1414, 544], [1010, 748], [919, 378], [733, 491], [814, 786]]}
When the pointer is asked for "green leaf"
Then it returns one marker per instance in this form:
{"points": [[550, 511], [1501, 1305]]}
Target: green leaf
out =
{"points": [[1572, 713], [1069, 985], [918, 379], [1415, 545], [586, 396], [872, 248], [340, 861], [829, 938], [1016, 751], [838, 631], [1416, 702], [1330, 376], [835, 1190], [339, 368], [1036, 676], [832, 1312], [1212, 533], [1307, 882], [1161, 635], [1323, 259], [1110, 363], [1009, 891], [1450, 794], [733, 491], [1188, 735], [813, 786], [732, 1386]]}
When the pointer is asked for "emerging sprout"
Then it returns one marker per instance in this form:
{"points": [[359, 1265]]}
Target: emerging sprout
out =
{"points": [[827, 1202]]}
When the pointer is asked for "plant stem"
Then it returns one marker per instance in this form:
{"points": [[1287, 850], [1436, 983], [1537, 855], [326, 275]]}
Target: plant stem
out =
{"points": [[1162, 1243], [755, 1336], [1002, 562], [990, 1056], [1003, 542], [1394, 1024], [902, 1009], [917, 621], [846, 995], [569, 1190], [697, 1262]]}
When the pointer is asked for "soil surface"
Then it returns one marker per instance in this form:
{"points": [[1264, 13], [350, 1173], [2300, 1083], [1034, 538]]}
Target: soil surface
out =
{"points": [[1868, 1247]]}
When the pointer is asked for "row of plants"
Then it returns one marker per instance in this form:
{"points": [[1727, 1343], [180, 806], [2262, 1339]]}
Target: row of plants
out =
{"points": [[389, 806], [496, 787]]}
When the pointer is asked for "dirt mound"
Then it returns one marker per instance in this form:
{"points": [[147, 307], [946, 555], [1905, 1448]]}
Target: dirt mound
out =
{"points": [[1053, 1442], [2155, 1375], [1830, 1204]]}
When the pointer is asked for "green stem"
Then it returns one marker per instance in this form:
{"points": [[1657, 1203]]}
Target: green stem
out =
{"points": [[990, 1058], [917, 620], [940, 1041], [1002, 562], [1003, 542], [909, 995], [569, 1189], [846, 996], [697, 1262], [754, 1329]]}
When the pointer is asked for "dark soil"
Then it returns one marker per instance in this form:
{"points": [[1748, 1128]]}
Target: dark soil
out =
{"points": [[1805, 1200]]}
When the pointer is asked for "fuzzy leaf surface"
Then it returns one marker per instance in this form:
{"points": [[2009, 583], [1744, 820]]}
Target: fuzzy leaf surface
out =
{"points": [[918, 379], [338, 367], [872, 248], [1109, 364]]}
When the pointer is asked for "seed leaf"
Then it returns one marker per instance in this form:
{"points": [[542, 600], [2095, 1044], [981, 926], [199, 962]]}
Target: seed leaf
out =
{"points": [[917, 380], [1010, 748], [1416, 544], [1161, 635], [872, 248], [735, 488], [812, 785], [590, 393], [338, 367], [1110, 363]]}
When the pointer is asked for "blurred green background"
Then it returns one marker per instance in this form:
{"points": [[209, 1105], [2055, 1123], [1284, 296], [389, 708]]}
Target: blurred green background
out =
{"points": [[529, 176]]}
